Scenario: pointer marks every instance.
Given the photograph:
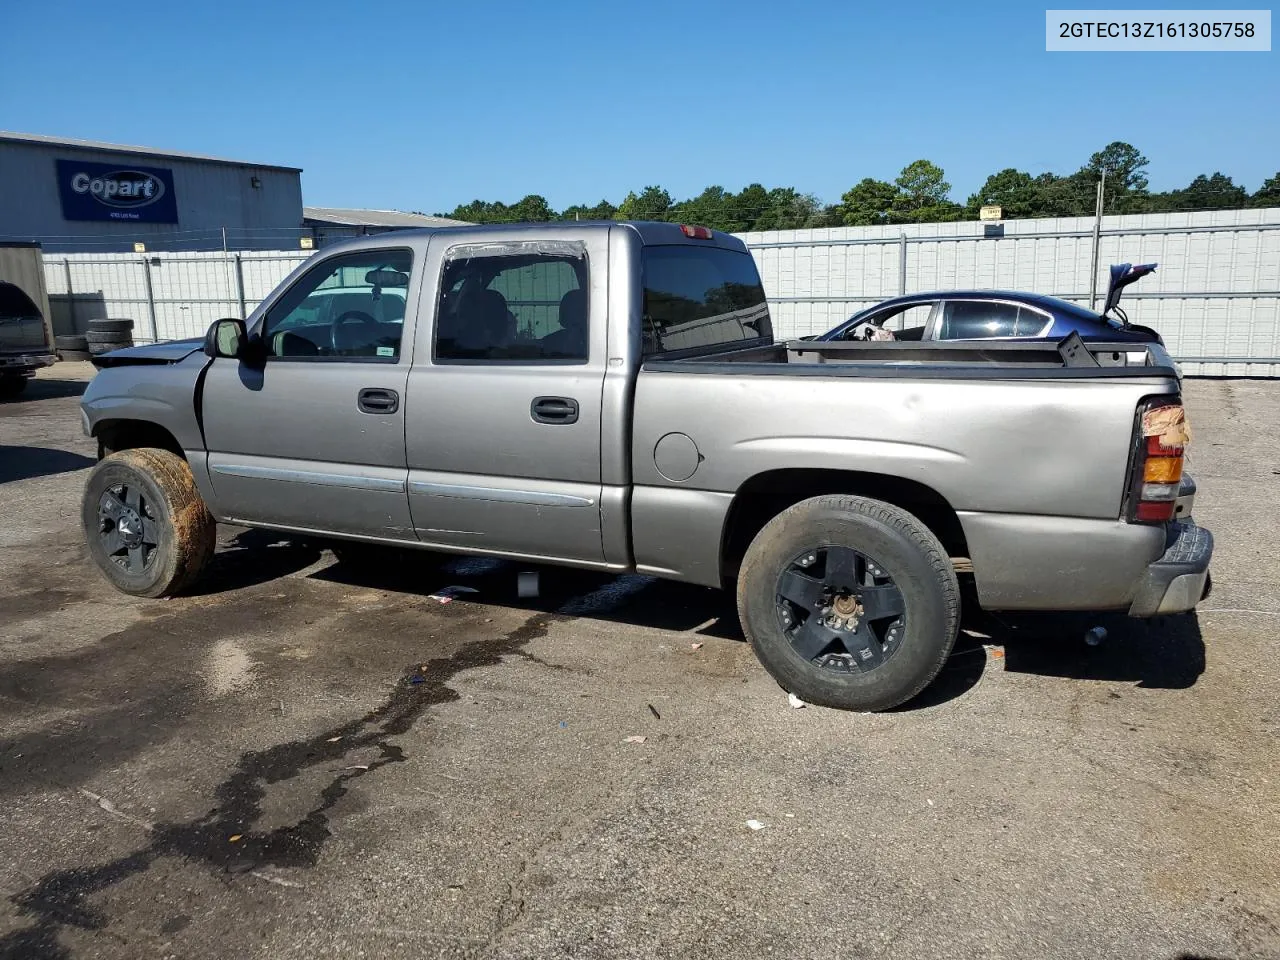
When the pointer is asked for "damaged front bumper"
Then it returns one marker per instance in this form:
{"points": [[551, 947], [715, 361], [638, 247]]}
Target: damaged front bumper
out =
{"points": [[1180, 578]]}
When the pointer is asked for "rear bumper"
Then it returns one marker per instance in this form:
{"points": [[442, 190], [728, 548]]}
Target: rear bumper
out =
{"points": [[26, 362], [1179, 579]]}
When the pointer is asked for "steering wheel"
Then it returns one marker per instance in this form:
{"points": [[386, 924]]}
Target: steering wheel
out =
{"points": [[352, 316]]}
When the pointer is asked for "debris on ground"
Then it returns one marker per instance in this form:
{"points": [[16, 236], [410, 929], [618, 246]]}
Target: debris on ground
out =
{"points": [[1095, 635], [755, 824], [635, 739], [449, 594], [563, 724], [278, 881], [115, 811], [333, 740], [796, 702], [654, 711], [695, 646], [235, 838]]}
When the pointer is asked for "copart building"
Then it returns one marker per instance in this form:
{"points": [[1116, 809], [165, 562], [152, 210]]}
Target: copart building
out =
{"points": [[82, 195]]}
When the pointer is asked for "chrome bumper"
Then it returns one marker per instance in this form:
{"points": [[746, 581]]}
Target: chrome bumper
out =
{"points": [[26, 361], [1179, 579]]}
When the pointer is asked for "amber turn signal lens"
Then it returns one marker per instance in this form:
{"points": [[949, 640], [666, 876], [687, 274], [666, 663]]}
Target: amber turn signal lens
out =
{"points": [[1162, 470]]}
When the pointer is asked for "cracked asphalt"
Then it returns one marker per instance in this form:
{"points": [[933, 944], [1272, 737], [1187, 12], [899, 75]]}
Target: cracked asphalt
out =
{"points": [[306, 758]]}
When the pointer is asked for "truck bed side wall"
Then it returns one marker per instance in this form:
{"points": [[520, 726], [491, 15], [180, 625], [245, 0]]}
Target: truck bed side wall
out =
{"points": [[1034, 468]]}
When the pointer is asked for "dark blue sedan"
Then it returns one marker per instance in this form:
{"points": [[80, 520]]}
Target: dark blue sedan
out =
{"points": [[997, 315]]}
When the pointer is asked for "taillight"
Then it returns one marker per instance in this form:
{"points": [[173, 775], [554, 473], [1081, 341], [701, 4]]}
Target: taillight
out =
{"points": [[1157, 473], [695, 233]]}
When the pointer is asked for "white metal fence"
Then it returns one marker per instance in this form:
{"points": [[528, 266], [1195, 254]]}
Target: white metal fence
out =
{"points": [[1215, 297], [168, 295]]}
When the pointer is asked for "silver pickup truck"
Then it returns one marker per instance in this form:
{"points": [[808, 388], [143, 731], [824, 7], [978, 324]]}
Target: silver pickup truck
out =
{"points": [[610, 396]]}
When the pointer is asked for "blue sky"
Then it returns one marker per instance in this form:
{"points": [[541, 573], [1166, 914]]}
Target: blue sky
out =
{"points": [[422, 105]]}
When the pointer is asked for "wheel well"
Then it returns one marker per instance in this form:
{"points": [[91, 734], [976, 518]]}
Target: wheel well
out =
{"points": [[766, 495], [116, 435]]}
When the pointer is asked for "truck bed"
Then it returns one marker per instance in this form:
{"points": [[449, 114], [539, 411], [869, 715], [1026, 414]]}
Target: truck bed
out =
{"points": [[1012, 359]]}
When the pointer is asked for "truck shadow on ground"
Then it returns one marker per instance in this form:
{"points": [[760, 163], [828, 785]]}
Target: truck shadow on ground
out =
{"points": [[1163, 653], [46, 389], [631, 599], [252, 557], [25, 463]]}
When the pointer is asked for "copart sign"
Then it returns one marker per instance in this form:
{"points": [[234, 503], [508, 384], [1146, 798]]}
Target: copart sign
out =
{"points": [[129, 193]]}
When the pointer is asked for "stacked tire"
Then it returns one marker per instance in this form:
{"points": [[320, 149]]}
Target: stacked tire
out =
{"points": [[107, 335], [72, 348]]}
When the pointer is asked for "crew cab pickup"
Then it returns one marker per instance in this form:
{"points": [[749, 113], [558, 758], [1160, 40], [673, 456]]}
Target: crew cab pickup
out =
{"points": [[610, 396]]}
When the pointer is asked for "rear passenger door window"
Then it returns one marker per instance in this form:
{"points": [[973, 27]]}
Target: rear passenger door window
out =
{"points": [[977, 320], [519, 308], [349, 307]]}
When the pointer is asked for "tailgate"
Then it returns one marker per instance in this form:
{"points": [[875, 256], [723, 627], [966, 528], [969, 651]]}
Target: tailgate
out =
{"points": [[22, 335]]}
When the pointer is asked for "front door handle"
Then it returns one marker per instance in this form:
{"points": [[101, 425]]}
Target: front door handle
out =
{"points": [[378, 400], [554, 410]]}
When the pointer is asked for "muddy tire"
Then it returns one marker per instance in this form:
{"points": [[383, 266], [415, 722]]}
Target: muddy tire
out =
{"points": [[849, 602], [146, 526]]}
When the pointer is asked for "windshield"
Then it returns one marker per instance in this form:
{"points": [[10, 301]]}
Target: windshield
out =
{"points": [[697, 296]]}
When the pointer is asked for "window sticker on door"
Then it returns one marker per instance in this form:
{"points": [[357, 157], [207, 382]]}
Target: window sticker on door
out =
{"points": [[386, 351]]}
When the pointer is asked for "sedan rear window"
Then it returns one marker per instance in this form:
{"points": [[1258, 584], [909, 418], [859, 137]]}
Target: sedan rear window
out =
{"points": [[701, 297]]}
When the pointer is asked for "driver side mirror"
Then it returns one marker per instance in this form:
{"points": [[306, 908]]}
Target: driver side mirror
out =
{"points": [[228, 338]]}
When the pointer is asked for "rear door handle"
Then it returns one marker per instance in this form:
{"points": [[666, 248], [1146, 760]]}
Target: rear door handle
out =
{"points": [[554, 410], [378, 400]]}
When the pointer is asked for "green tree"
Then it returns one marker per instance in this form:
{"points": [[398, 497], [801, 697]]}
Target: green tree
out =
{"points": [[652, 203], [1124, 165], [480, 211], [713, 207], [788, 209], [921, 184], [1216, 192], [604, 210], [922, 195], [1125, 190], [750, 206], [1016, 192], [868, 202], [533, 209], [1268, 194]]}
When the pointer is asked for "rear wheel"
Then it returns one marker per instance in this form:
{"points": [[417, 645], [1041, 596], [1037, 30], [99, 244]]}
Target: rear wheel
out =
{"points": [[849, 602], [145, 524]]}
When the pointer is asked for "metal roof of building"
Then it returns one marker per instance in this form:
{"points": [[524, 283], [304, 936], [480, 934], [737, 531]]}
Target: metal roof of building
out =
{"points": [[72, 143], [344, 217]]}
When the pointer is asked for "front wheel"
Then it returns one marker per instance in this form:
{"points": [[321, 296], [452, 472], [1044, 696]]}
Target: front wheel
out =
{"points": [[849, 602], [146, 526]]}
